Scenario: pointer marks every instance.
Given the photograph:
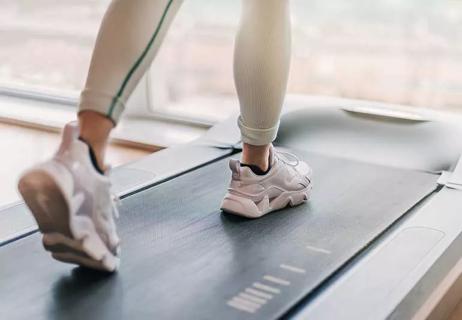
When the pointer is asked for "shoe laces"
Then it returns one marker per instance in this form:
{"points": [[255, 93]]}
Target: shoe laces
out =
{"points": [[115, 205], [115, 199], [288, 158]]}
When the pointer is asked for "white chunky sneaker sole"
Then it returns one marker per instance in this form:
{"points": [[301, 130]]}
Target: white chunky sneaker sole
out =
{"points": [[69, 238], [248, 208]]}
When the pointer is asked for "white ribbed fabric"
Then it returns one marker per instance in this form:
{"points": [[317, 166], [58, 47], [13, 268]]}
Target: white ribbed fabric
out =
{"points": [[261, 67], [128, 40], [132, 32]]}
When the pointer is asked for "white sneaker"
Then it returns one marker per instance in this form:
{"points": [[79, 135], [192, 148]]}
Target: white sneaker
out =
{"points": [[288, 182], [73, 206]]}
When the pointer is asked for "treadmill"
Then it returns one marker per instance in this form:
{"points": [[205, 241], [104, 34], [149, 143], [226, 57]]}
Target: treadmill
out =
{"points": [[380, 238]]}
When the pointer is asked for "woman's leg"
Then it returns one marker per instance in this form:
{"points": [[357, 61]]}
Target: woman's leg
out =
{"points": [[79, 214], [264, 180], [128, 40], [261, 69]]}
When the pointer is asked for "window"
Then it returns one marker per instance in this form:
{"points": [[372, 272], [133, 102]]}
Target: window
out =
{"points": [[193, 73], [403, 52], [398, 51], [46, 45]]}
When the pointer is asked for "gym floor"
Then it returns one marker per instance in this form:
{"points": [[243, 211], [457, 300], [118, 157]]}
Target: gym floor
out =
{"points": [[457, 314]]}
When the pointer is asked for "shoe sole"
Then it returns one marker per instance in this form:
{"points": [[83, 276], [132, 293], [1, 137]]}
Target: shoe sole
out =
{"points": [[246, 207], [69, 238]]}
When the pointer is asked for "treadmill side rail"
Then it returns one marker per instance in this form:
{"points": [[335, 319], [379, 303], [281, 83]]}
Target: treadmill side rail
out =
{"points": [[163, 165], [395, 278]]}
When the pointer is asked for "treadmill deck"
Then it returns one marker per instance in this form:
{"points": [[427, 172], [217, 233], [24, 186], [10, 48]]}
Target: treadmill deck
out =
{"points": [[182, 258]]}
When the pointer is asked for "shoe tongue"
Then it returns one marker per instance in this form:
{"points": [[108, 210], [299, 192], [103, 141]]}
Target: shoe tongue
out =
{"points": [[70, 134], [71, 130], [235, 166]]}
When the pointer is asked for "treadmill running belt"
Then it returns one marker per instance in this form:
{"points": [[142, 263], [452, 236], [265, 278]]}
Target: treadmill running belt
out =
{"points": [[184, 259]]}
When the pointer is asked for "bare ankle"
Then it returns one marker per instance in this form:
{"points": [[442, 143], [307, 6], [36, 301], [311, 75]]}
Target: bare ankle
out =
{"points": [[256, 155], [94, 130]]}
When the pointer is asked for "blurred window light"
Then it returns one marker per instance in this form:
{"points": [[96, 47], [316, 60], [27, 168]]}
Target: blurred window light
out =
{"points": [[397, 51]]}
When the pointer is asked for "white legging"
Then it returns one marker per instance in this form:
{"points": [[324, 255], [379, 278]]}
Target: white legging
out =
{"points": [[132, 32]]}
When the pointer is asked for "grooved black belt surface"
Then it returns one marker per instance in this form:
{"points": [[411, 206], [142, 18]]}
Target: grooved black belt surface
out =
{"points": [[184, 259]]}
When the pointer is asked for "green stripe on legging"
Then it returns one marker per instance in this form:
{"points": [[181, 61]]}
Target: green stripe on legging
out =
{"points": [[139, 60]]}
